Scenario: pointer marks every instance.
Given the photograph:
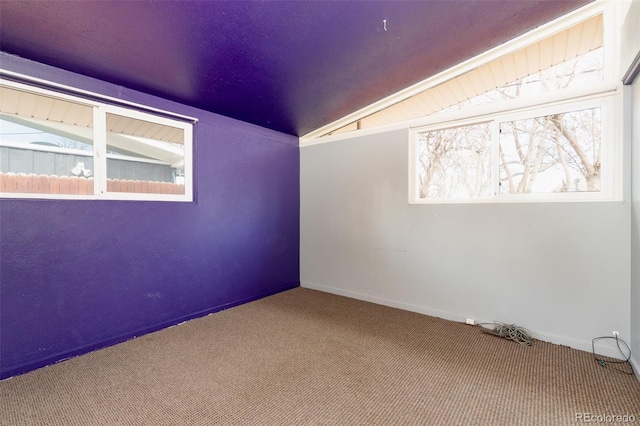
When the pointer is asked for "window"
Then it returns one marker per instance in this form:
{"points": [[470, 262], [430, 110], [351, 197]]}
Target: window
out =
{"points": [[554, 153], [455, 162], [576, 73], [54, 145], [559, 152], [546, 131]]}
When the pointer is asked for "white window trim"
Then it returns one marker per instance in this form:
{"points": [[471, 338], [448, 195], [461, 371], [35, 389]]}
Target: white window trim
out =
{"points": [[611, 184], [99, 154]]}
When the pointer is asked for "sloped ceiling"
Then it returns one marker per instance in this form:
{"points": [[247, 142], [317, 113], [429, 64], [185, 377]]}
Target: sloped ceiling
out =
{"points": [[291, 66]]}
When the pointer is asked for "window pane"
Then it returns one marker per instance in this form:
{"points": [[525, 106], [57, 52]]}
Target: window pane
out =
{"points": [[554, 153], [46, 144], [144, 156], [455, 162], [574, 73]]}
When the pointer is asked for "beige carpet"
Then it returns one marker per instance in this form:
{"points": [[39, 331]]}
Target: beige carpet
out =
{"points": [[308, 358]]}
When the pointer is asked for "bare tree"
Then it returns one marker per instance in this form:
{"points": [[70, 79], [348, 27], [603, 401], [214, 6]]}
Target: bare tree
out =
{"points": [[455, 162], [556, 153]]}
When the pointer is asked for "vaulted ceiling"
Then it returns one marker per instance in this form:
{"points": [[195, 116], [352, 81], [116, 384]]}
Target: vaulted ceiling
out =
{"points": [[291, 66]]}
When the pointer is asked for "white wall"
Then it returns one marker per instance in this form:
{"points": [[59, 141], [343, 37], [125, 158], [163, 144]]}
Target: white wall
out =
{"points": [[560, 269], [629, 34], [635, 226], [630, 48]]}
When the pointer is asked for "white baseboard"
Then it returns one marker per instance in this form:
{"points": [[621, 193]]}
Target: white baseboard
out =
{"points": [[385, 302], [550, 338]]}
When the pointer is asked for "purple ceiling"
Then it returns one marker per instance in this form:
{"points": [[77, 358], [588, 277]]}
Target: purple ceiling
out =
{"points": [[292, 66]]}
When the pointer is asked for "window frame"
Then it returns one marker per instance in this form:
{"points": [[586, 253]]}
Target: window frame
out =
{"points": [[101, 106], [611, 161], [607, 94]]}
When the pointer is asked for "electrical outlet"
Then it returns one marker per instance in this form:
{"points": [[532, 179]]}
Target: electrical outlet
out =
{"points": [[615, 333], [471, 321]]}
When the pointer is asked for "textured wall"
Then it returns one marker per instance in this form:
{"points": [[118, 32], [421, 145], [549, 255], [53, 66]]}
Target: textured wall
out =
{"points": [[78, 275], [559, 269]]}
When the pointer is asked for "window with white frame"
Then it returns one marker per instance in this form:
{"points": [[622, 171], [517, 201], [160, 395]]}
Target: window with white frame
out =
{"points": [[546, 133], [55, 145], [559, 152]]}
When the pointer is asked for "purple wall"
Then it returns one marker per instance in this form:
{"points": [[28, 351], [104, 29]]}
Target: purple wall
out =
{"points": [[80, 275]]}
